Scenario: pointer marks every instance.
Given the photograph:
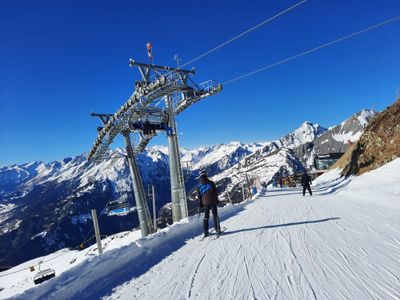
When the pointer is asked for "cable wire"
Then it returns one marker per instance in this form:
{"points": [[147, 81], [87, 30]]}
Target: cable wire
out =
{"points": [[311, 50], [241, 34]]}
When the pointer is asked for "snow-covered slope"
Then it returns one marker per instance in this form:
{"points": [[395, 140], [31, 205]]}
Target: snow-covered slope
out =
{"points": [[341, 243]]}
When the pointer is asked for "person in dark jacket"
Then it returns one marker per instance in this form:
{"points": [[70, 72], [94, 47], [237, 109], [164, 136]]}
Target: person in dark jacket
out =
{"points": [[208, 199], [305, 182]]}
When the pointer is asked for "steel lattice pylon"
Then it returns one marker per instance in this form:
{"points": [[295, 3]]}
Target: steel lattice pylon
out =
{"points": [[160, 95]]}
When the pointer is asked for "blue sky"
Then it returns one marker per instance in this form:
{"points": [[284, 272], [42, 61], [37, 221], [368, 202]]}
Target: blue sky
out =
{"points": [[61, 60]]}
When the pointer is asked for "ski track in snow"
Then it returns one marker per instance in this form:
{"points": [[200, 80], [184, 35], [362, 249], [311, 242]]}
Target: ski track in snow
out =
{"points": [[321, 255], [337, 244], [297, 261]]}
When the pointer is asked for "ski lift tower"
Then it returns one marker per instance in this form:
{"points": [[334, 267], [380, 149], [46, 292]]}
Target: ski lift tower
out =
{"points": [[159, 96]]}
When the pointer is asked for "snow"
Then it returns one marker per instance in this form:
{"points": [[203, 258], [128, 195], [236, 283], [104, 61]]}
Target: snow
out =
{"points": [[325, 141], [203, 157], [6, 208], [347, 136], [10, 226], [43, 170], [264, 168], [306, 133], [365, 115], [41, 234], [329, 177], [342, 243]]}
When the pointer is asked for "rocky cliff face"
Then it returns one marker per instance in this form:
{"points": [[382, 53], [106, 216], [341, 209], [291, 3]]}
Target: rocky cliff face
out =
{"points": [[379, 144]]}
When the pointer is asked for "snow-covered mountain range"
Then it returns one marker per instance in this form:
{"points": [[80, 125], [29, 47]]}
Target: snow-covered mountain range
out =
{"points": [[46, 206]]}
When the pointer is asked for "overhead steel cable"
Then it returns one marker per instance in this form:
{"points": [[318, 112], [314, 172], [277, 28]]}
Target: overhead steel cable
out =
{"points": [[240, 35], [311, 50]]}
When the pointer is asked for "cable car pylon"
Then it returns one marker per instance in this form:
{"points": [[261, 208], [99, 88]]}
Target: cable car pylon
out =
{"points": [[159, 96]]}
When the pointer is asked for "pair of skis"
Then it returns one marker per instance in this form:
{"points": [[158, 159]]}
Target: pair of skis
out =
{"points": [[212, 235]]}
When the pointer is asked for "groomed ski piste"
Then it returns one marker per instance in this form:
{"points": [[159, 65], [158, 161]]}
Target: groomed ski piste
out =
{"points": [[341, 243]]}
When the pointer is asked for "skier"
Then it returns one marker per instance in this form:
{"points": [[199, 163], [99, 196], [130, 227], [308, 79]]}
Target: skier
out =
{"points": [[208, 199], [305, 182], [146, 127]]}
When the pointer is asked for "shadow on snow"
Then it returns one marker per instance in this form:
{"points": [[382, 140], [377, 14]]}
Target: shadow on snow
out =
{"points": [[281, 225], [317, 191]]}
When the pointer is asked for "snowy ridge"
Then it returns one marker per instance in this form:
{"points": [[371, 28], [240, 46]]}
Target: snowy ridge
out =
{"points": [[306, 133], [219, 157]]}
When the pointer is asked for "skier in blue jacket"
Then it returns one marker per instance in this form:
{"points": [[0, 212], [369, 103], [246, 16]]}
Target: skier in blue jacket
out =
{"points": [[208, 199]]}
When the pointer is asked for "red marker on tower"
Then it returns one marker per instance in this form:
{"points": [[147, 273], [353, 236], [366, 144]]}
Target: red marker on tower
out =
{"points": [[149, 46]]}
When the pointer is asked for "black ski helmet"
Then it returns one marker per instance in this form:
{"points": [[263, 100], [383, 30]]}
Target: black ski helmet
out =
{"points": [[203, 174]]}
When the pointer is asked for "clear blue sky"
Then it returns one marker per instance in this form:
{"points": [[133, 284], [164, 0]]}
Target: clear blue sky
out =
{"points": [[61, 60]]}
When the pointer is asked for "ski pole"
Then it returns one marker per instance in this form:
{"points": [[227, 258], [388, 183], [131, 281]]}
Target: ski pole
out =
{"points": [[198, 218], [218, 223]]}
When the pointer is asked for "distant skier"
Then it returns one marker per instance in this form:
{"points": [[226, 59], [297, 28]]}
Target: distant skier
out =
{"points": [[208, 199], [146, 127], [305, 182]]}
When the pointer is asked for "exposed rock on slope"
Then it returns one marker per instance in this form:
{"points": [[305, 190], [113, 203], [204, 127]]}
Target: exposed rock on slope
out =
{"points": [[379, 144]]}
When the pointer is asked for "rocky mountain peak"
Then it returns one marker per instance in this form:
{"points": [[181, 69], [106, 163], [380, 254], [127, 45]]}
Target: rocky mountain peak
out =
{"points": [[378, 144]]}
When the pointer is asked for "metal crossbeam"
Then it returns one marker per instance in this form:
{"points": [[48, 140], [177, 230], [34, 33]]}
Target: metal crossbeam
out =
{"points": [[197, 95], [143, 143]]}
